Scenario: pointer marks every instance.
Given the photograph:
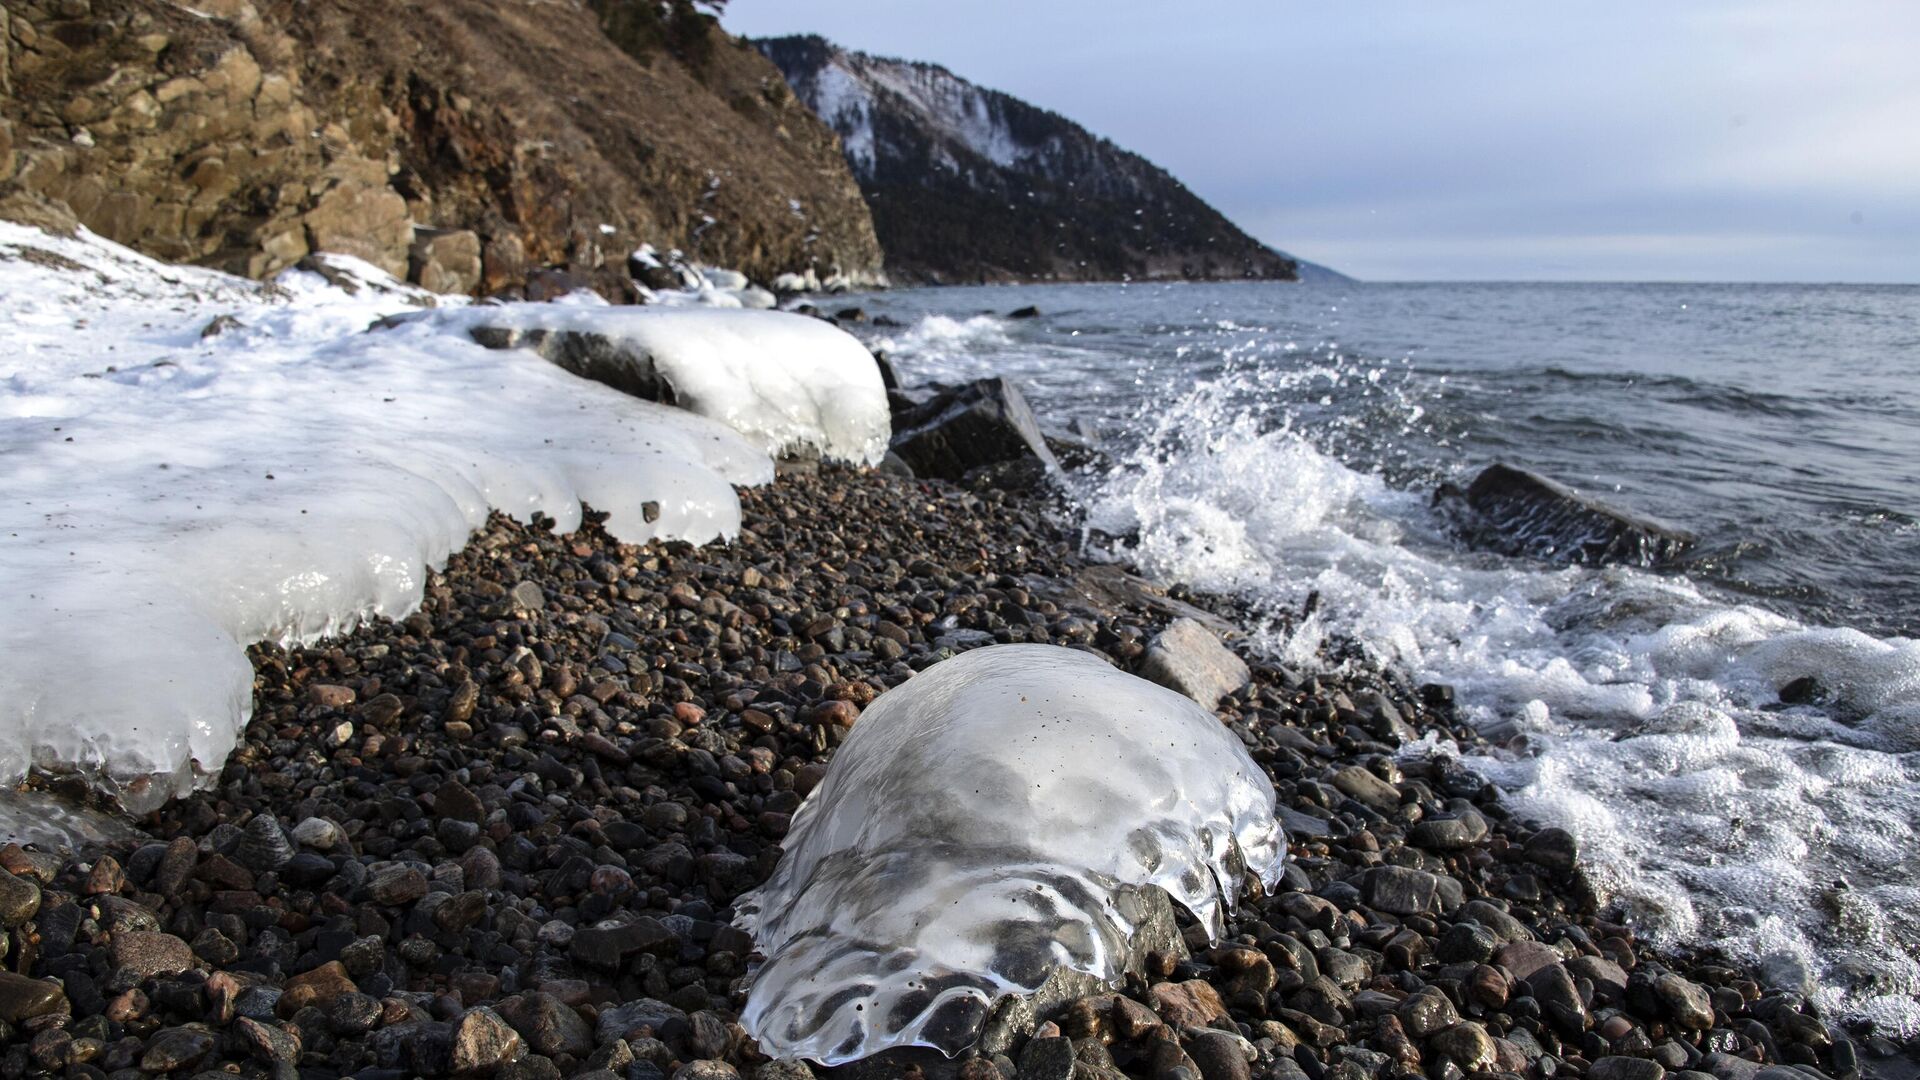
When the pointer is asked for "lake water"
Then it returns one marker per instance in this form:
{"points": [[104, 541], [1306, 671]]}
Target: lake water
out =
{"points": [[1279, 441]]}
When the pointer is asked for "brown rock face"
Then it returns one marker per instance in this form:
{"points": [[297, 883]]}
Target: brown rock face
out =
{"points": [[465, 143]]}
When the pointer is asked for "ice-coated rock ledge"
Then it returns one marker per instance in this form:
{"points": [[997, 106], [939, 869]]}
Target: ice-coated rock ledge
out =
{"points": [[192, 462], [988, 823], [787, 382]]}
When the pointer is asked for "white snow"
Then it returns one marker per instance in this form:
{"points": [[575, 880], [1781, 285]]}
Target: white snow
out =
{"points": [[986, 823], [797, 283], [787, 382], [842, 99], [844, 90], [170, 498], [726, 280]]}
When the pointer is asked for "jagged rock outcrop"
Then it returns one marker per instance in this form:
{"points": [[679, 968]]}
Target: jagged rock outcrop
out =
{"points": [[976, 425], [969, 184], [466, 143], [1515, 512]]}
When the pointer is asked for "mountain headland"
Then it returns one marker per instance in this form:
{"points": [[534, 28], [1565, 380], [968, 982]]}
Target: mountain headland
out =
{"points": [[970, 185]]}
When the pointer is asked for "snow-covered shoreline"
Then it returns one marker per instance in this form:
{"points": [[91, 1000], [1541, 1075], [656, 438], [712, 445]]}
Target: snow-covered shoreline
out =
{"points": [[194, 462]]}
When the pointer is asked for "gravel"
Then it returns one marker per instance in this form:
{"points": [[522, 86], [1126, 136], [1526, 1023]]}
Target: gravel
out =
{"points": [[502, 836]]}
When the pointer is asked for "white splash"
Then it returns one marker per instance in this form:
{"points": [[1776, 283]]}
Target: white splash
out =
{"points": [[1632, 708]]}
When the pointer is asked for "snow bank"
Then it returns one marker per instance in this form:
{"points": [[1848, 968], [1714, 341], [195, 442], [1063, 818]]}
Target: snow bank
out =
{"points": [[192, 462], [704, 285], [787, 382], [986, 823]]}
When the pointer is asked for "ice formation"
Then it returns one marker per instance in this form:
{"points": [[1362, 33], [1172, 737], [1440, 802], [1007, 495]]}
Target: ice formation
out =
{"points": [[787, 382], [711, 286], [193, 462], [985, 824]]}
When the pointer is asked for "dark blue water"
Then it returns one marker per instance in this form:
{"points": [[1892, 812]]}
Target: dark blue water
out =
{"points": [[1779, 422], [1279, 441]]}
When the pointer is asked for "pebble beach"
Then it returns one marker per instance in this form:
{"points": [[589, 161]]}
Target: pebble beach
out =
{"points": [[502, 837]]}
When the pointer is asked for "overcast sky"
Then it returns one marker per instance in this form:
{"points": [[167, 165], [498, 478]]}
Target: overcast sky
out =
{"points": [[1402, 139]]}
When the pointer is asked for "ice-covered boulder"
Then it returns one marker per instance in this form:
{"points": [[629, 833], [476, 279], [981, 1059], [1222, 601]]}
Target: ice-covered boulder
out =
{"points": [[174, 495], [1516, 512], [786, 382], [986, 825]]}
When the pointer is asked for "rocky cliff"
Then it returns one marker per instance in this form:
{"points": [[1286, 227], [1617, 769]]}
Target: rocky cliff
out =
{"points": [[969, 184], [472, 144]]}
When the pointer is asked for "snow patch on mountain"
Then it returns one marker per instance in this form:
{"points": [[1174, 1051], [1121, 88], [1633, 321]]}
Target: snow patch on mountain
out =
{"points": [[971, 184]]}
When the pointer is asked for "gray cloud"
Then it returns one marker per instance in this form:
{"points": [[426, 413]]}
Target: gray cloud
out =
{"points": [[1763, 140]]}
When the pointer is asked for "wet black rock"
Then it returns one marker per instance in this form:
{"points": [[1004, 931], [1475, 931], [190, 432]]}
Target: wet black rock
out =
{"points": [[1467, 1044], [610, 946], [1049, 1058], [19, 899], [962, 428], [1555, 849], [22, 999], [548, 1025], [1626, 1068], [176, 1048], [1515, 512], [1805, 690], [1400, 890], [1219, 1055], [263, 845]]}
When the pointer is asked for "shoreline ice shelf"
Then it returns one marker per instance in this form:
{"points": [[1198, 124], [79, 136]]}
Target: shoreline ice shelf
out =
{"points": [[194, 462]]}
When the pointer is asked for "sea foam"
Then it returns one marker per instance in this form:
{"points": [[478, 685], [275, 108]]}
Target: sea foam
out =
{"points": [[1635, 709]]}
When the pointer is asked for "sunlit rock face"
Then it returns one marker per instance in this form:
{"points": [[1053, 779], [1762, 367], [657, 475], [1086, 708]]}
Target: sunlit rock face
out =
{"points": [[986, 824]]}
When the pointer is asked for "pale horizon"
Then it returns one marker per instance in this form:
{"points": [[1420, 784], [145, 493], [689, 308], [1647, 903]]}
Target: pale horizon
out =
{"points": [[1727, 142]]}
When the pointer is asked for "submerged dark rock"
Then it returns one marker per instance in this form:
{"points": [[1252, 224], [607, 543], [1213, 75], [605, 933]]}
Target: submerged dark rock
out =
{"points": [[1515, 512]]}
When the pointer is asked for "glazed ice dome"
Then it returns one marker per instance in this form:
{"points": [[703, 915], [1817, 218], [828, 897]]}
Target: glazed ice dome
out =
{"points": [[985, 824]]}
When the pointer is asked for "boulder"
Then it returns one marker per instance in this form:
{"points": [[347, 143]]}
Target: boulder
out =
{"points": [[962, 428], [362, 219], [1077, 451], [1515, 512], [591, 356], [445, 260], [1188, 658]]}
